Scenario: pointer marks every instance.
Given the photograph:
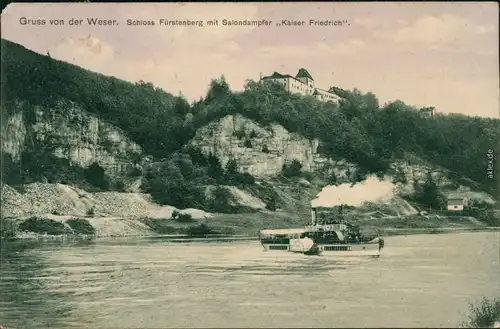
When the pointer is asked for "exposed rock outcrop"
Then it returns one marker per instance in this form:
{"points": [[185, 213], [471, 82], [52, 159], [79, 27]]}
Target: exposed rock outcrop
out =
{"points": [[262, 151], [68, 131]]}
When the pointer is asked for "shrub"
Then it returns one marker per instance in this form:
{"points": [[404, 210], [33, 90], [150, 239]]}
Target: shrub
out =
{"points": [[81, 226], [44, 226], [134, 171], [7, 230], [120, 186], [181, 218], [266, 193], [227, 230], [399, 176], [293, 169], [241, 209], [234, 176], [483, 315], [160, 226], [91, 212], [332, 178], [241, 179], [244, 178], [271, 205], [265, 149], [308, 175], [200, 230], [247, 143], [220, 201], [240, 133], [253, 134]]}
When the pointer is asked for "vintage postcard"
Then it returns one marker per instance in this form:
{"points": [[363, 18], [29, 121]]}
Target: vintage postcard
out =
{"points": [[250, 165]]}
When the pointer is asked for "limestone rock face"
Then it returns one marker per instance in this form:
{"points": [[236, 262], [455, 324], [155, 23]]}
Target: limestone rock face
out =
{"points": [[69, 132], [259, 151], [419, 171]]}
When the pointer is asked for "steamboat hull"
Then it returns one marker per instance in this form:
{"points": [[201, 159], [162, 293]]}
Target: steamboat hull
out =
{"points": [[369, 249]]}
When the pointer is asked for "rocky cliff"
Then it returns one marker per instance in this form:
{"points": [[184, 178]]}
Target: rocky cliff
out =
{"points": [[68, 132], [262, 151]]}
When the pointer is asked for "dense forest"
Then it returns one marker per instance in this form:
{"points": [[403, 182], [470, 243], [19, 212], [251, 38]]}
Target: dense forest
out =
{"points": [[358, 129]]}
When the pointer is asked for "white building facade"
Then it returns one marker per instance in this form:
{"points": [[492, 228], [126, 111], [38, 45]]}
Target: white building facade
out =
{"points": [[303, 84], [456, 204]]}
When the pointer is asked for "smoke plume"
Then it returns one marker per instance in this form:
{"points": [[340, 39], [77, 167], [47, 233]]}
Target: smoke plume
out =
{"points": [[370, 190]]}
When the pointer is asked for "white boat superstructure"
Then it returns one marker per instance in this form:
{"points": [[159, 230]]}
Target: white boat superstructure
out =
{"points": [[336, 238]]}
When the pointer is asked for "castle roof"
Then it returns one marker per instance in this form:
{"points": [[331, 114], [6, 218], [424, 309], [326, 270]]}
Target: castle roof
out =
{"points": [[277, 75], [303, 74]]}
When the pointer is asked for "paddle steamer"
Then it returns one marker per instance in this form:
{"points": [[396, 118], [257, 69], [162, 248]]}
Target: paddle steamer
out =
{"points": [[329, 234]]}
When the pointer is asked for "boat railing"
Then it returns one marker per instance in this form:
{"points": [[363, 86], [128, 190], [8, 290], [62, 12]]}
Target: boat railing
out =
{"points": [[327, 227]]}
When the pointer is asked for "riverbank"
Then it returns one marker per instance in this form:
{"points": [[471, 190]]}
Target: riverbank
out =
{"points": [[219, 226], [443, 230], [250, 224]]}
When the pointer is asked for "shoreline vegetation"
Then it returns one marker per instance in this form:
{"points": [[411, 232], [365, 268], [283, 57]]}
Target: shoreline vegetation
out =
{"points": [[485, 314], [41, 228]]}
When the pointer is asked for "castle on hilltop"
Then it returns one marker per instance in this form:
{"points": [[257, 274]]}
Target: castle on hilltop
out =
{"points": [[302, 83]]}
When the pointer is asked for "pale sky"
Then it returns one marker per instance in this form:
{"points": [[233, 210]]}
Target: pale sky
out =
{"points": [[442, 54]]}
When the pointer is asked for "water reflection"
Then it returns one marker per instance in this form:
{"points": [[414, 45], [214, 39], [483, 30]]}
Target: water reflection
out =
{"points": [[420, 281], [25, 299]]}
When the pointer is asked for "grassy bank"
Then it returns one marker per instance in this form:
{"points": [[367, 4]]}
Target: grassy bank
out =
{"points": [[442, 230], [67, 227], [246, 224], [250, 224]]}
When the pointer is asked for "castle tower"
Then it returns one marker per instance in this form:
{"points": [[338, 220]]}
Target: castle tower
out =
{"points": [[305, 77]]}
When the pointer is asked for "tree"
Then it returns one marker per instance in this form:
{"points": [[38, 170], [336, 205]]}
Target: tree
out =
{"points": [[271, 203], [214, 169], [428, 193], [167, 185], [219, 88], [231, 168], [294, 169], [332, 178], [221, 200], [181, 107]]}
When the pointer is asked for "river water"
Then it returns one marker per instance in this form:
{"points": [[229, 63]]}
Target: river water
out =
{"points": [[419, 281]]}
